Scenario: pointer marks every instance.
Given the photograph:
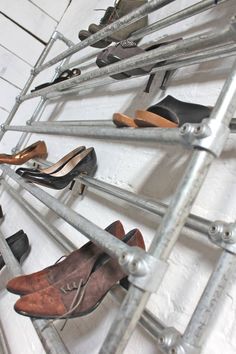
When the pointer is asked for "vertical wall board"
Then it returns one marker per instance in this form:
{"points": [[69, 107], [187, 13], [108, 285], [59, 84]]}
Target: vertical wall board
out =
{"points": [[12, 68], [19, 42], [8, 94], [29, 17], [49, 6]]}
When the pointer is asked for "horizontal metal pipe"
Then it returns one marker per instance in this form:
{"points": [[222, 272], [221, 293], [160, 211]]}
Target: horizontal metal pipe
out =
{"points": [[196, 329], [176, 17], [111, 245], [194, 222], [49, 338], [151, 323], [108, 30], [167, 52], [107, 122], [198, 58], [167, 136], [67, 41]]}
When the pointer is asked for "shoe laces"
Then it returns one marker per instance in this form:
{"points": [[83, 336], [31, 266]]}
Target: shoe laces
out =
{"points": [[110, 14], [64, 256], [79, 295]]}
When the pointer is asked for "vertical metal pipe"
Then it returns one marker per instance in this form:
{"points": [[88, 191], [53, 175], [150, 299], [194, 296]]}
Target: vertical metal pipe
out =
{"points": [[56, 234], [3, 342], [196, 329], [29, 82], [171, 225], [181, 203], [33, 118], [49, 337], [176, 17], [225, 106], [108, 30], [40, 107]]}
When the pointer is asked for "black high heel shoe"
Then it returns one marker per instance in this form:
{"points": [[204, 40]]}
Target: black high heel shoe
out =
{"points": [[55, 167], [19, 245], [83, 163]]}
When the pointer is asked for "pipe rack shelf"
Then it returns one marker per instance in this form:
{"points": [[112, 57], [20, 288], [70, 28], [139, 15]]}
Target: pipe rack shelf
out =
{"points": [[175, 216]]}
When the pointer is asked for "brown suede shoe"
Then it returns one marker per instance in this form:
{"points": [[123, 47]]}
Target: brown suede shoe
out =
{"points": [[82, 259], [68, 298], [121, 8]]}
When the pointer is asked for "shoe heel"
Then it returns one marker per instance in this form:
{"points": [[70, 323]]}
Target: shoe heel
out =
{"points": [[76, 187], [125, 283], [43, 156]]}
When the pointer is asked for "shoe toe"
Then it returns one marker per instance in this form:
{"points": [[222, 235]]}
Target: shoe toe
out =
{"points": [[83, 34], [42, 304], [20, 171], [27, 284]]}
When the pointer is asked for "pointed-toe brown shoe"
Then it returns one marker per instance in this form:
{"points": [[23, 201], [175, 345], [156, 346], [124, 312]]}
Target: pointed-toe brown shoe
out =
{"points": [[26, 284], [68, 298]]}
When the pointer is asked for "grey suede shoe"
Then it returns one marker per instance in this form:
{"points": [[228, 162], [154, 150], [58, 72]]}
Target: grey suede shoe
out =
{"points": [[122, 8]]}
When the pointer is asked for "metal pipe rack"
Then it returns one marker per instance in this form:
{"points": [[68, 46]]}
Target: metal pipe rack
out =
{"points": [[154, 326], [145, 269]]}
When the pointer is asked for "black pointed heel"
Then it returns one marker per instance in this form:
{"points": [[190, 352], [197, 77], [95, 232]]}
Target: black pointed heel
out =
{"points": [[19, 245], [56, 167], [83, 163]]}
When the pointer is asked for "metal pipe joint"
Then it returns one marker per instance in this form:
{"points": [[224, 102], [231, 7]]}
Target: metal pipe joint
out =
{"points": [[2, 127], [233, 27], [223, 235], [183, 348], [204, 135], [170, 341], [145, 271]]}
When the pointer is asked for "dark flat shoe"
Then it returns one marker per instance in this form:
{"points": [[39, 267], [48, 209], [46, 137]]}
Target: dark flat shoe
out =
{"points": [[168, 113], [26, 284], [171, 112], [19, 245], [124, 50], [83, 163], [65, 75], [71, 297], [121, 8], [103, 43]]}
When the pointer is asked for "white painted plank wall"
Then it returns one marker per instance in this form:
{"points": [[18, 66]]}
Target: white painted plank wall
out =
{"points": [[12, 68], [19, 50], [55, 12], [30, 17], [19, 42]]}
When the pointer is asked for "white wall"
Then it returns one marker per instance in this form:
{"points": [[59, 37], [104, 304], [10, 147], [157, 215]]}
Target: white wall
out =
{"points": [[149, 169]]}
